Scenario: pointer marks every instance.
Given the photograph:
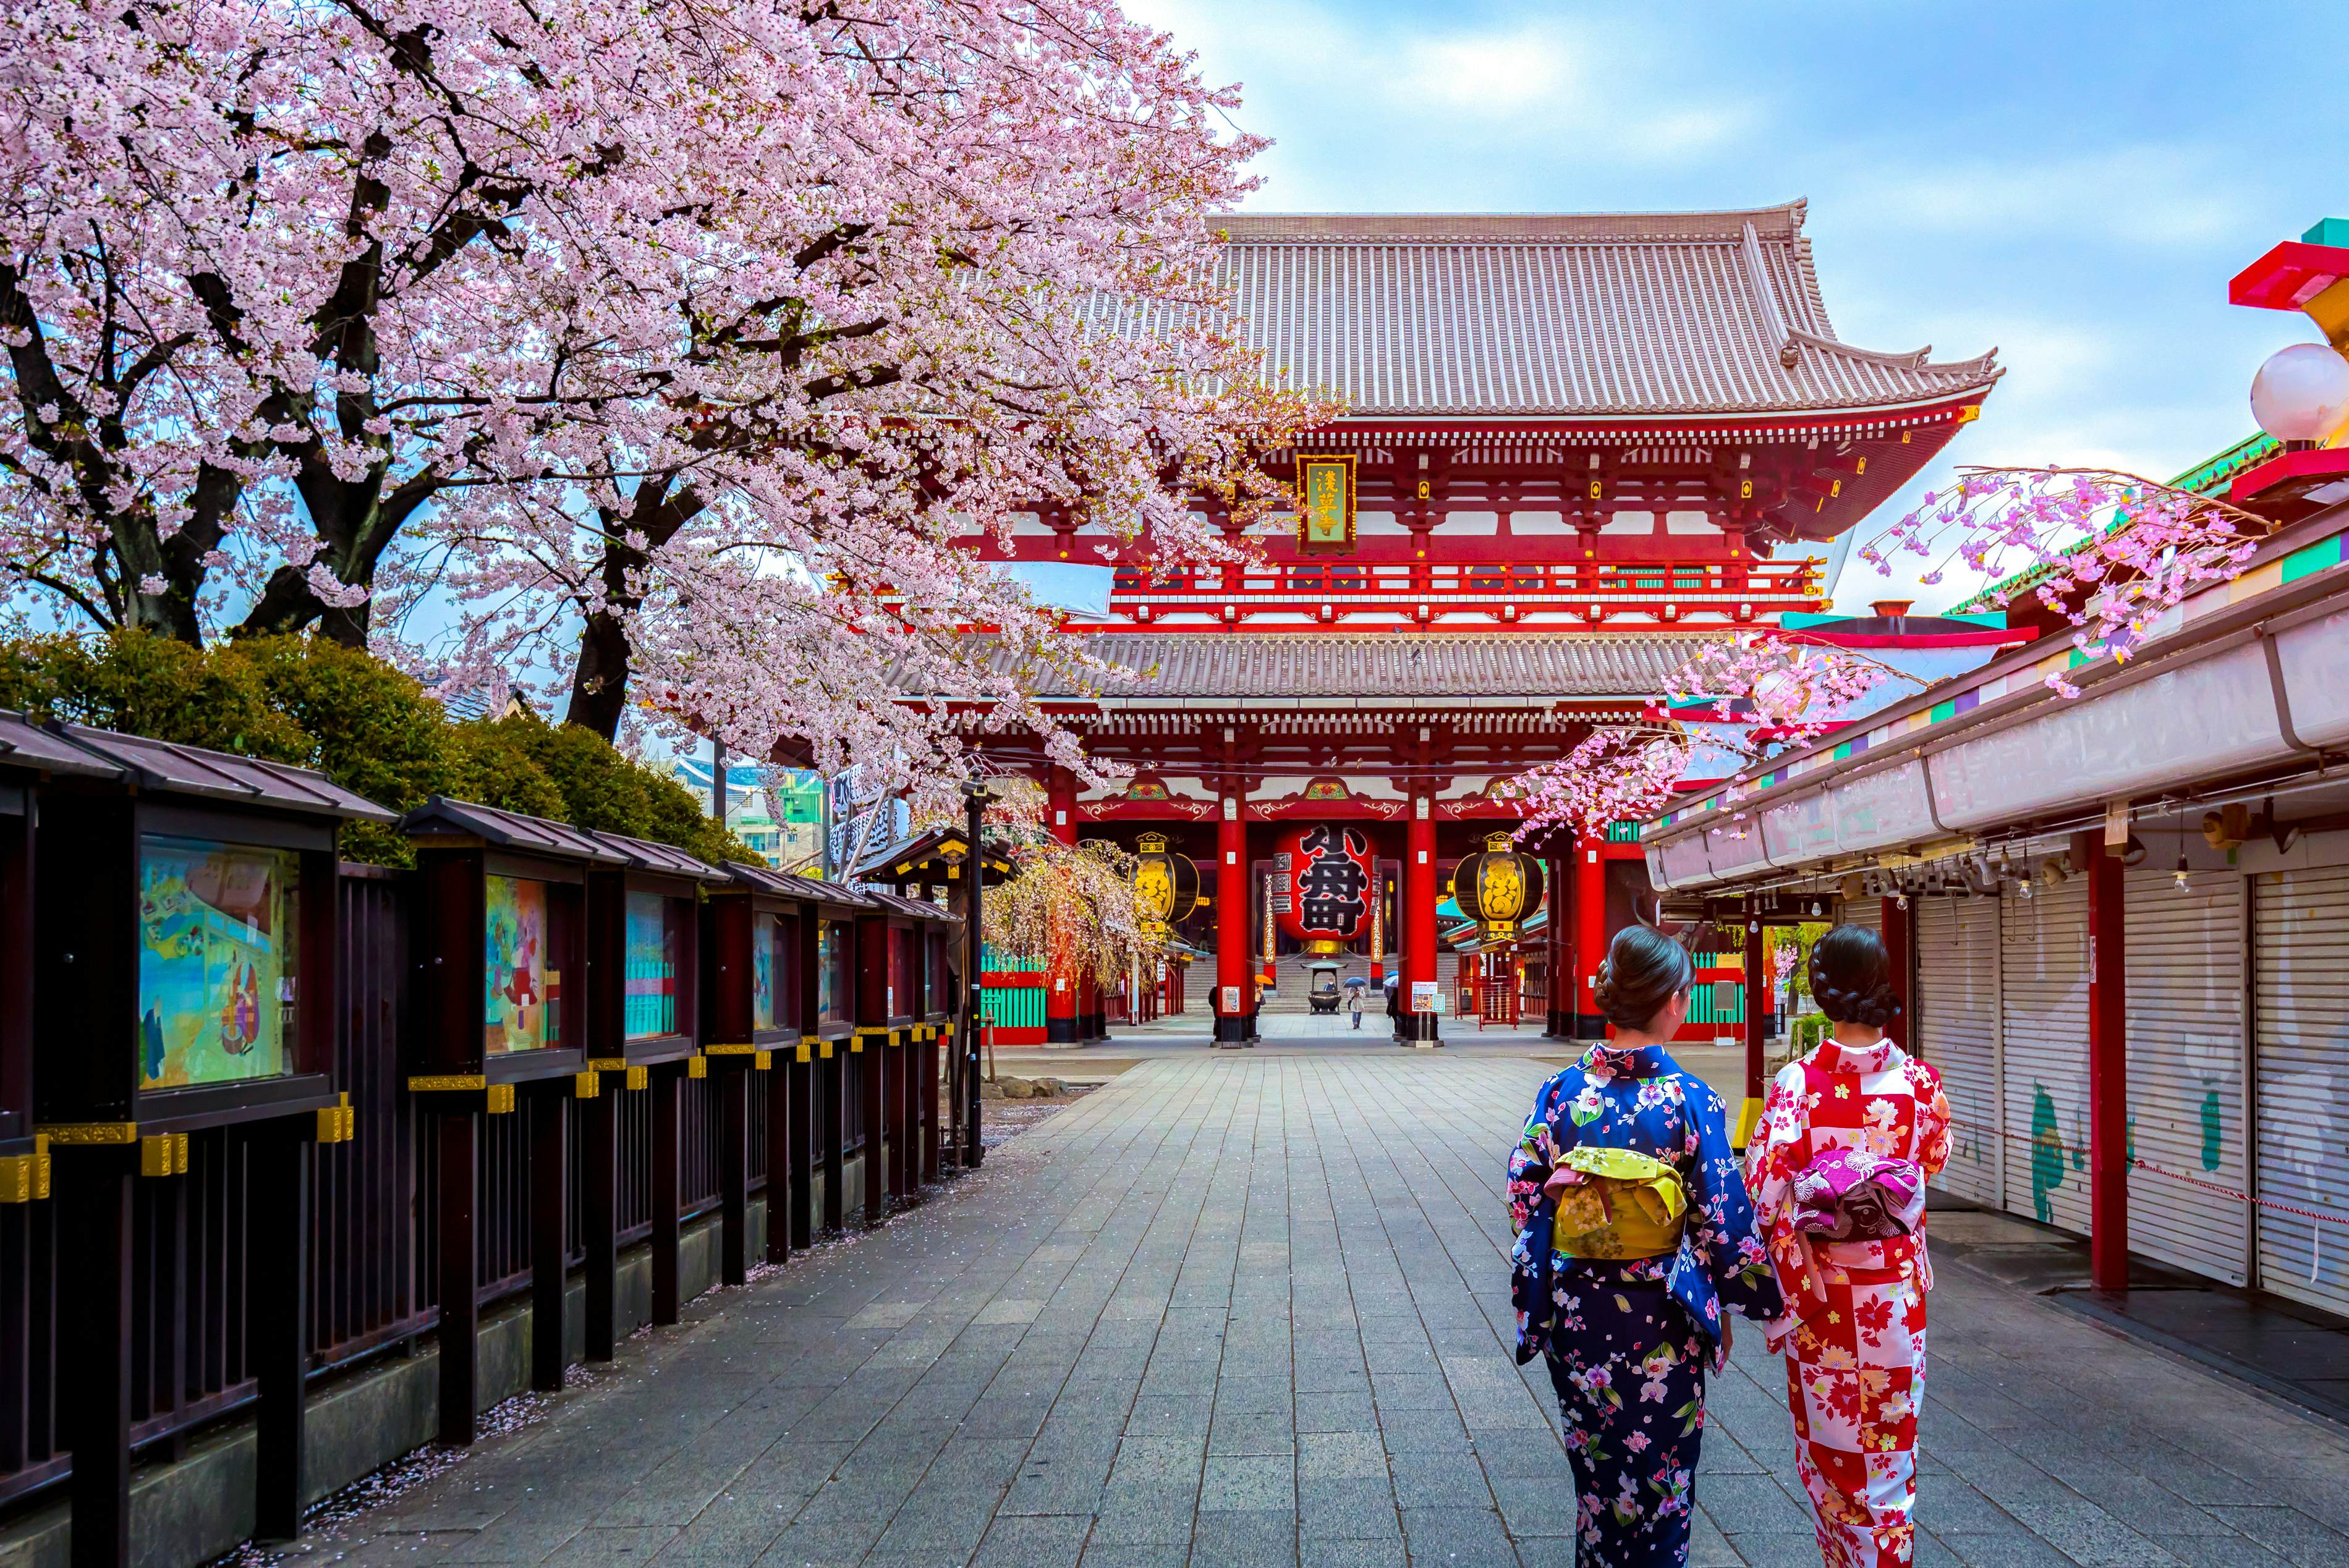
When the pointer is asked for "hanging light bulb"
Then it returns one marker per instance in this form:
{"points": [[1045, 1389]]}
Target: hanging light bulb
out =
{"points": [[2179, 876], [2026, 888]]}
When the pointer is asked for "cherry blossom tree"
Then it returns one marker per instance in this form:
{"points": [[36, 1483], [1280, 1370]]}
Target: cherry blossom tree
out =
{"points": [[2107, 551], [1757, 692], [699, 336]]}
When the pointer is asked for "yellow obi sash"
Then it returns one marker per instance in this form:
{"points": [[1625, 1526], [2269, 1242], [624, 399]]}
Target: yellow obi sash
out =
{"points": [[1630, 1205]]}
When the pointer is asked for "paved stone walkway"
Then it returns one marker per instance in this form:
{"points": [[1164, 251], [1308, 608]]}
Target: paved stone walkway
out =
{"points": [[1241, 1310]]}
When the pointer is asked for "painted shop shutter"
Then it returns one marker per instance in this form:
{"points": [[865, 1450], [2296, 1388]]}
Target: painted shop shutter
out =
{"points": [[2300, 1002], [2185, 1032], [1956, 1030], [1866, 912], [2043, 962]]}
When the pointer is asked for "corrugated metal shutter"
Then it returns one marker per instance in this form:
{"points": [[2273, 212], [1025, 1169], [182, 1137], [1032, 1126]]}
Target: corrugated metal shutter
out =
{"points": [[2044, 982], [1866, 912], [2300, 946], [1956, 1030], [2186, 1067]]}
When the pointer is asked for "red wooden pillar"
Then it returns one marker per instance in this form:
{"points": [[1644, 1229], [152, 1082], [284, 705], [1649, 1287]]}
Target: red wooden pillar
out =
{"points": [[1419, 939], [1235, 992], [1060, 1010], [1757, 1015], [2108, 1167], [1590, 933], [1559, 887], [1899, 946]]}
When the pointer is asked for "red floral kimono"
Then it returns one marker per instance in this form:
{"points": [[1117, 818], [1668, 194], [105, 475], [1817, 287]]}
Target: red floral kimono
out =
{"points": [[1853, 1334]]}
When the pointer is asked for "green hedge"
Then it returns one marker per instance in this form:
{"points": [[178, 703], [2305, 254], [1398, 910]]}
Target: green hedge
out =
{"points": [[365, 724]]}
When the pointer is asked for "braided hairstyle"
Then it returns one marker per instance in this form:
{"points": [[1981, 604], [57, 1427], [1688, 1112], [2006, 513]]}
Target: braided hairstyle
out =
{"points": [[1642, 971], [1851, 978]]}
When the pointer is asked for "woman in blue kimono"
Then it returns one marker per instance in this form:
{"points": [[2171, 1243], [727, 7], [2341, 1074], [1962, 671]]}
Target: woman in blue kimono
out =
{"points": [[1635, 1237]]}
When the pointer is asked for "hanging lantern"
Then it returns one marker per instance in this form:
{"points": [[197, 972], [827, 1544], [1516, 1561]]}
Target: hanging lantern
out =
{"points": [[1497, 886], [1321, 885], [1165, 885]]}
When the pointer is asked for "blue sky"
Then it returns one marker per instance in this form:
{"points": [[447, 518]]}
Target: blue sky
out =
{"points": [[2073, 183]]}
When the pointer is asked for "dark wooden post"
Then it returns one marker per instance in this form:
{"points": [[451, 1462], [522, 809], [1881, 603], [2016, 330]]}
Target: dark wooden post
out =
{"points": [[833, 1071], [549, 1201], [461, 1284], [876, 1128], [278, 1318], [734, 1169], [1899, 946], [802, 1152], [926, 1061], [899, 1064], [786, 1206], [2108, 1163], [599, 1215], [668, 1078], [93, 1207]]}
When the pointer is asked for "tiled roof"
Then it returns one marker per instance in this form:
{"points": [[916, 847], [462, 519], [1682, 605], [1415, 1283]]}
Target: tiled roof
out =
{"points": [[648, 855], [783, 884], [510, 830], [163, 766], [1425, 314], [1192, 665]]}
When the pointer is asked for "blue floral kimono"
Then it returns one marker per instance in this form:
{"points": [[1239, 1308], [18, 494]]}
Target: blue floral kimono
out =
{"points": [[1629, 1342]]}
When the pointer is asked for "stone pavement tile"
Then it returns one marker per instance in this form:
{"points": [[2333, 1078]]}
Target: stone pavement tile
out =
{"points": [[1350, 1412], [1249, 1539], [828, 1544], [1348, 1506], [730, 1529], [1757, 1504], [1398, 1391], [1708, 1548], [1183, 1415], [1142, 1512], [1032, 1543], [1385, 1551], [1252, 1432], [1946, 1505], [1531, 1507], [1440, 1481], [1464, 1536], [1531, 1457], [1424, 1432], [1777, 1549], [513, 1541], [2288, 1533], [1066, 1484], [1248, 1482], [1990, 1550], [1100, 1553], [2225, 1551]]}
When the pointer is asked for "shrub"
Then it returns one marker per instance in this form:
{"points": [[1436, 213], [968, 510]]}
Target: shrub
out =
{"points": [[368, 726]]}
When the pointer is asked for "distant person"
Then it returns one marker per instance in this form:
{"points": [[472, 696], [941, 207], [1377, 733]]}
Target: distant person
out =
{"points": [[1394, 1005], [1354, 1003], [1635, 1235], [1850, 1135]]}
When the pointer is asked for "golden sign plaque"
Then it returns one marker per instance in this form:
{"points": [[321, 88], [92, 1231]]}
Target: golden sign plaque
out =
{"points": [[1325, 500]]}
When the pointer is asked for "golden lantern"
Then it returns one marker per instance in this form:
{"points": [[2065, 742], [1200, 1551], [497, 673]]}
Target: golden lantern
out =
{"points": [[1166, 884], [1498, 886]]}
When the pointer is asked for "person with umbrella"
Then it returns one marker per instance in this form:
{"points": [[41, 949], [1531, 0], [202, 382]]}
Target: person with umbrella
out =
{"points": [[1355, 987]]}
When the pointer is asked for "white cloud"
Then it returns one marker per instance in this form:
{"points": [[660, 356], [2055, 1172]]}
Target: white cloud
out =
{"points": [[2146, 194]]}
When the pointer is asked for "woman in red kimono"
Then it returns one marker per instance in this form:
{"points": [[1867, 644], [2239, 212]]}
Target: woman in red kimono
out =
{"points": [[1850, 1135]]}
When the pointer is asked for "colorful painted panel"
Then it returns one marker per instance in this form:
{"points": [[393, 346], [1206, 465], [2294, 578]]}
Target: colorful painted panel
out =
{"points": [[522, 997], [656, 946], [766, 969], [219, 961]]}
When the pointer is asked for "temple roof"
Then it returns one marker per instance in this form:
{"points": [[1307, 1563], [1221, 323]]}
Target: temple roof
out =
{"points": [[1415, 316], [1319, 667]]}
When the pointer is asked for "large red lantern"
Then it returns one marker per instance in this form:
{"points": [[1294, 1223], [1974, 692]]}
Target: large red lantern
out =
{"points": [[1321, 885]]}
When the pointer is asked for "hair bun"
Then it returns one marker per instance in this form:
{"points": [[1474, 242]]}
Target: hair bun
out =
{"points": [[1851, 978]]}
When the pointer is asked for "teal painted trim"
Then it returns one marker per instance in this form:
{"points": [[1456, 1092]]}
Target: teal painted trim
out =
{"points": [[2327, 231], [2313, 559], [1013, 1007], [1704, 1008], [1622, 833], [1941, 710]]}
